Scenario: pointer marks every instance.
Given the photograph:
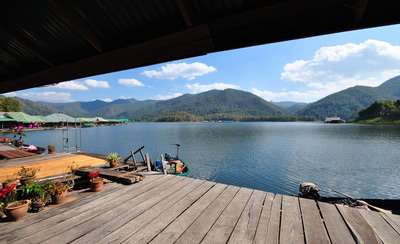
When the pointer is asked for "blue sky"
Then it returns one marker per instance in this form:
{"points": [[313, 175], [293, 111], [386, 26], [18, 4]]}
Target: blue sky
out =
{"points": [[303, 70]]}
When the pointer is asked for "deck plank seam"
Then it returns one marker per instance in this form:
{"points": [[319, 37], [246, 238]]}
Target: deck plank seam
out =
{"points": [[204, 236], [389, 223], [348, 226], [165, 227], [280, 221], [323, 222], [125, 240], [302, 220], [237, 221], [259, 218], [226, 186]]}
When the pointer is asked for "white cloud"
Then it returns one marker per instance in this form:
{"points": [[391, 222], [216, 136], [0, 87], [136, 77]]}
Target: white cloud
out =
{"points": [[307, 96], [197, 88], [339, 67], [48, 96], [10, 94], [130, 82], [183, 70], [107, 100], [166, 97], [96, 83], [124, 97], [69, 85]]}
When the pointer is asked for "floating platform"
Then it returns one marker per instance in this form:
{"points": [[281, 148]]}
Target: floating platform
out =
{"points": [[49, 164], [175, 209]]}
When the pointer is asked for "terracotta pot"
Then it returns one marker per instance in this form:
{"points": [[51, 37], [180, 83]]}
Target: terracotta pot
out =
{"points": [[51, 150], [8, 184], [28, 180], [113, 164], [59, 198], [96, 185], [16, 210]]}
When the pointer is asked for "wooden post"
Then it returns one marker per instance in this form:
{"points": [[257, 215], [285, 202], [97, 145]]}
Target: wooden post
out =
{"points": [[141, 153], [147, 159], [133, 158], [162, 163]]}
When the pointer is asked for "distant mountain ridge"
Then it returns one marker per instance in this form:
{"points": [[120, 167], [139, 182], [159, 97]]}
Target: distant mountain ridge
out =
{"points": [[347, 103], [229, 101]]}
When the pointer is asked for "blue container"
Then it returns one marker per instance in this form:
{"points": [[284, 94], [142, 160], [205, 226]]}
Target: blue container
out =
{"points": [[158, 164]]}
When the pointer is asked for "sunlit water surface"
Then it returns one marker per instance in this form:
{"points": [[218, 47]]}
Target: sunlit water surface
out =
{"points": [[360, 160]]}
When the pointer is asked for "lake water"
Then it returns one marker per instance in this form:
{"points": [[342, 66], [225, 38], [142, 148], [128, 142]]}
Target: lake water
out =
{"points": [[360, 160]]}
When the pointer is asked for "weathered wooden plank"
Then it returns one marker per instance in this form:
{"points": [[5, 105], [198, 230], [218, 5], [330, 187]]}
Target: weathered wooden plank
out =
{"points": [[121, 228], [196, 232], [361, 230], [313, 224], [147, 233], [52, 226], [9, 227], [223, 227], [275, 220], [382, 228], [52, 167], [263, 224], [390, 219], [291, 225], [335, 225], [247, 225], [132, 207], [33, 159], [180, 224], [394, 217]]}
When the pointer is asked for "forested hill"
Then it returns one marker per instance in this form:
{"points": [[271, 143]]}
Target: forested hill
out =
{"points": [[229, 101], [347, 103]]}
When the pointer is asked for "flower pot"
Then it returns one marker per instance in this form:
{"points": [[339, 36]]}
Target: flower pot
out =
{"points": [[96, 185], [51, 150], [16, 210], [27, 180], [113, 164], [59, 198], [8, 184]]}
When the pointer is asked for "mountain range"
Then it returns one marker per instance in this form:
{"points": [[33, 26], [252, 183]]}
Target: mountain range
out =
{"points": [[344, 104]]}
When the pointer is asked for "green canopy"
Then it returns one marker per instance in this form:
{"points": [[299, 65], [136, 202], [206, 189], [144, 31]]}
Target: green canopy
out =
{"points": [[58, 118], [23, 117], [85, 120], [4, 119]]}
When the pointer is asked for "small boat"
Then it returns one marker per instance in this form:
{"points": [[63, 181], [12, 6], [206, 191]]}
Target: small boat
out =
{"points": [[32, 149], [174, 165]]}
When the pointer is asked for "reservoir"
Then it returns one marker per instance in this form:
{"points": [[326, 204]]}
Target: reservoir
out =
{"points": [[360, 160]]}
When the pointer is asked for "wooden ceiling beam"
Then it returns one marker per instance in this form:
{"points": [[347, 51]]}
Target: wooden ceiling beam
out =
{"points": [[186, 10], [191, 42], [24, 42], [77, 23]]}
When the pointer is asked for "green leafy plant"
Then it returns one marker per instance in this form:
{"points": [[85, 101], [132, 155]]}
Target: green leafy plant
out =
{"points": [[34, 191], [27, 172], [56, 188], [112, 157]]}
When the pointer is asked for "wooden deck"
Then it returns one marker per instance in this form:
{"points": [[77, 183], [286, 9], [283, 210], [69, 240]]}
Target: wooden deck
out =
{"points": [[173, 209], [49, 164]]}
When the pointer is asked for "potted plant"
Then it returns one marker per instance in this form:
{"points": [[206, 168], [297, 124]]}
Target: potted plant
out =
{"points": [[58, 191], [51, 148], [113, 159], [27, 175], [11, 180], [36, 193], [96, 182], [14, 210]]}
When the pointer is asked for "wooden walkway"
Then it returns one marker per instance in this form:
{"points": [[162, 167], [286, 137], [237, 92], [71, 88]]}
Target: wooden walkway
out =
{"points": [[173, 209], [49, 164]]}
